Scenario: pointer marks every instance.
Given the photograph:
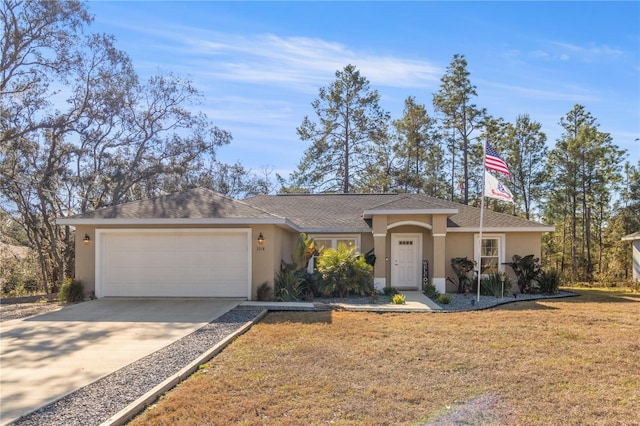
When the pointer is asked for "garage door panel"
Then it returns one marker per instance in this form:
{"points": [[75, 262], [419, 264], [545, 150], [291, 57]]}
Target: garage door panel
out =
{"points": [[174, 264]]}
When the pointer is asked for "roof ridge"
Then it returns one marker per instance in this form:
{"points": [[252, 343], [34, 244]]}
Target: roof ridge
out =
{"points": [[401, 197], [258, 208], [155, 197], [316, 194]]}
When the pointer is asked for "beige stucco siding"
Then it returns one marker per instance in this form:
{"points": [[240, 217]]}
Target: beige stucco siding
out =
{"points": [[521, 244], [86, 258], [636, 260], [458, 244], [279, 244]]}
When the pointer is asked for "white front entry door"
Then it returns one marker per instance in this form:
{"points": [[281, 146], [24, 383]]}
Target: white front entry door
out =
{"points": [[406, 255]]}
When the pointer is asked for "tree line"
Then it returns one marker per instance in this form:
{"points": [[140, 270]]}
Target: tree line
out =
{"points": [[79, 130], [582, 186]]}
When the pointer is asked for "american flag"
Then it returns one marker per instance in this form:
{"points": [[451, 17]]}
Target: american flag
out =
{"points": [[494, 162]]}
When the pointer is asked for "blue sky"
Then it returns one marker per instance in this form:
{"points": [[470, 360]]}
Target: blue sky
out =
{"points": [[259, 65]]}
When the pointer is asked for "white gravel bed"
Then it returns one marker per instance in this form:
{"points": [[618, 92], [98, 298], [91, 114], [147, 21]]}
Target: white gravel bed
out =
{"points": [[95, 403], [468, 302]]}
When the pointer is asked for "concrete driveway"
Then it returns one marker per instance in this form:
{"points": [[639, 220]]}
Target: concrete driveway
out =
{"points": [[45, 357]]}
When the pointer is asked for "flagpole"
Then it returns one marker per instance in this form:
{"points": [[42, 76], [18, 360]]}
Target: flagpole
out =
{"points": [[484, 171]]}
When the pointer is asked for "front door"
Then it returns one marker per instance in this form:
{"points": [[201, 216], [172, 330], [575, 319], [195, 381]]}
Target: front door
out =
{"points": [[406, 252]]}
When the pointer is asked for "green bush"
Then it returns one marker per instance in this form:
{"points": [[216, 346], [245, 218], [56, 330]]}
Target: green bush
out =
{"points": [[527, 270], [491, 285], [287, 285], [399, 299], [390, 291], [549, 281], [343, 272], [431, 292], [309, 284], [444, 299], [71, 291]]}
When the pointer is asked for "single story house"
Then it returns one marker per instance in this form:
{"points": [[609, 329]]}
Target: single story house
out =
{"points": [[198, 243], [635, 250]]}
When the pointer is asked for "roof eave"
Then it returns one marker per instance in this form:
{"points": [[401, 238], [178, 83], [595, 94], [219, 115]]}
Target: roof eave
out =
{"points": [[177, 221], [503, 229], [335, 230], [370, 213]]}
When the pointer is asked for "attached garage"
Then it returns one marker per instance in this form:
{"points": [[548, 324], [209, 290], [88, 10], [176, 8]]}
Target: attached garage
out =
{"points": [[173, 262]]}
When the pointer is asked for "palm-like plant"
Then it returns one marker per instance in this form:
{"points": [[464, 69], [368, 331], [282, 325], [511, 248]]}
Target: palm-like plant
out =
{"points": [[528, 272]]}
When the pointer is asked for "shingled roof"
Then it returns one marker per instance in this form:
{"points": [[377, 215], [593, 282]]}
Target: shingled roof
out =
{"points": [[302, 212], [198, 203], [348, 212]]}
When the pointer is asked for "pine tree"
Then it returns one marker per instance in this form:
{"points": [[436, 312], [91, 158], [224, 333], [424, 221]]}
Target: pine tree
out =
{"points": [[460, 117], [349, 124]]}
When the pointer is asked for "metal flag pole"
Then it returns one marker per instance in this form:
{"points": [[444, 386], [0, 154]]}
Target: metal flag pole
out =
{"points": [[484, 171]]}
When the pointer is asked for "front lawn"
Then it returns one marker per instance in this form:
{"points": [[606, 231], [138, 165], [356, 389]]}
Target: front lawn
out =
{"points": [[558, 361]]}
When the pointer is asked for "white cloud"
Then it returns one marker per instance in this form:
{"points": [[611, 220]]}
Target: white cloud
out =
{"points": [[590, 53], [573, 96], [302, 63]]}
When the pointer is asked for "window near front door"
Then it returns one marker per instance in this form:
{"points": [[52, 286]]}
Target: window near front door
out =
{"points": [[327, 242], [490, 255], [333, 242], [489, 258]]}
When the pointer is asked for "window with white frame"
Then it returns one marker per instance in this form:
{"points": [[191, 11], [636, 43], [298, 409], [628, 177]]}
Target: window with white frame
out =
{"points": [[489, 255], [332, 241]]}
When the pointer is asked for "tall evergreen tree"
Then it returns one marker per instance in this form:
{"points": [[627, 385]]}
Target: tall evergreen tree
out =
{"points": [[585, 165], [526, 153], [349, 123], [460, 117], [419, 157]]}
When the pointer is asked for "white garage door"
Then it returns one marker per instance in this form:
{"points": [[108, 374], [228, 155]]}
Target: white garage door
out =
{"points": [[173, 263]]}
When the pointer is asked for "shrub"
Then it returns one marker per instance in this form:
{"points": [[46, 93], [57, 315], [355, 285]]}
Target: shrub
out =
{"points": [[491, 285], [309, 284], [444, 299], [463, 267], [431, 292], [71, 291], [265, 292], [527, 270], [399, 299], [549, 281], [287, 285], [390, 291], [343, 272]]}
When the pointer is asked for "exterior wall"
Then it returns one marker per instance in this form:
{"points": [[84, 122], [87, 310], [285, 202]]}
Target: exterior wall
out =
{"points": [[522, 244], [636, 260], [438, 247], [86, 258], [458, 244], [461, 244], [266, 258], [366, 243]]}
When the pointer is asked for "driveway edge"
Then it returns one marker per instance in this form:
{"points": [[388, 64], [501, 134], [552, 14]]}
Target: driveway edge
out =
{"points": [[145, 400]]}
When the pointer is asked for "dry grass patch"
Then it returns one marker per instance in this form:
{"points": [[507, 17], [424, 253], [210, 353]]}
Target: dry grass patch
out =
{"points": [[560, 361]]}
